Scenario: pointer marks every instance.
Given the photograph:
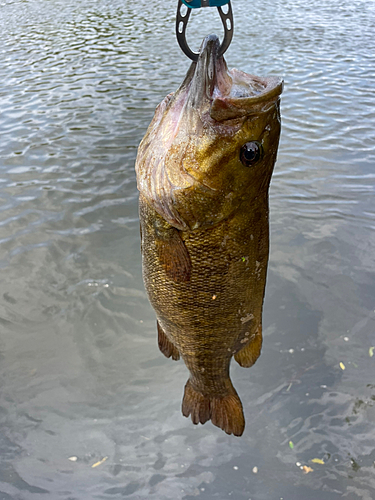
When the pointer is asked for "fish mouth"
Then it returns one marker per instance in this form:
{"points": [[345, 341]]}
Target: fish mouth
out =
{"points": [[187, 162], [206, 70], [229, 94]]}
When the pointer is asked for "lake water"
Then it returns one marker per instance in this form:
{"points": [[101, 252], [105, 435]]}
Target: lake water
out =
{"points": [[80, 371]]}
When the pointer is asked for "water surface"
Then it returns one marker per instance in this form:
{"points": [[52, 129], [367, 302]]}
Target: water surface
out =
{"points": [[80, 372]]}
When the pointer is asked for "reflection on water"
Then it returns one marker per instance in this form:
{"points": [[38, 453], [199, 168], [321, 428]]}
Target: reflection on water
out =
{"points": [[80, 371]]}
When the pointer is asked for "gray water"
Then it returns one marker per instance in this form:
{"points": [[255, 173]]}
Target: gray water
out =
{"points": [[80, 372]]}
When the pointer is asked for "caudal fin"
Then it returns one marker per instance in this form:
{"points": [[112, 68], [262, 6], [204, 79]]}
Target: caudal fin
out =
{"points": [[225, 411]]}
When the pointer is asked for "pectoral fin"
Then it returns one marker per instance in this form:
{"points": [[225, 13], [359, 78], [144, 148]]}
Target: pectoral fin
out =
{"points": [[172, 252], [165, 240]]}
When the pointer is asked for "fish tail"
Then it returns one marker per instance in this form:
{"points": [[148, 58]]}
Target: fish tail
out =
{"points": [[224, 411]]}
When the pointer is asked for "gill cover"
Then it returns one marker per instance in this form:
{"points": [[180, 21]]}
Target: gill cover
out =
{"points": [[188, 164]]}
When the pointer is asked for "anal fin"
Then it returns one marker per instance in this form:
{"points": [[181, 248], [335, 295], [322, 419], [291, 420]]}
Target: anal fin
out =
{"points": [[166, 346], [247, 356]]}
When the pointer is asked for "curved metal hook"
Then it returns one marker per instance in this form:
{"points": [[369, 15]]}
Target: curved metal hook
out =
{"points": [[181, 24]]}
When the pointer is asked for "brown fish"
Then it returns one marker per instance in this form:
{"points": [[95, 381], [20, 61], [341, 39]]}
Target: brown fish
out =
{"points": [[203, 171]]}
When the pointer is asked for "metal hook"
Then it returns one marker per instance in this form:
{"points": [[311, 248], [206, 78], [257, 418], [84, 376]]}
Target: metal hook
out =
{"points": [[181, 24]]}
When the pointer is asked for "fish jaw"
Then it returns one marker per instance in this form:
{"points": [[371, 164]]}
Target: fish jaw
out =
{"points": [[188, 165]]}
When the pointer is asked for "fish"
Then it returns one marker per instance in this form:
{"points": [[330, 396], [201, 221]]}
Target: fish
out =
{"points": [[203, 172]]}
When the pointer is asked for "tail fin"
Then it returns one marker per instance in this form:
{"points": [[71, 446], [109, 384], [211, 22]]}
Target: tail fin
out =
{"points": [[225, 411]]}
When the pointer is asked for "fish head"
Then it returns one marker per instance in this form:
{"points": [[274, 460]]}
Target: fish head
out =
{"points": [[212, 144]]}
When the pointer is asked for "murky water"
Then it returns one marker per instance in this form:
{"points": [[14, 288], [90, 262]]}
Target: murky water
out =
{"points": [[81, 374]]}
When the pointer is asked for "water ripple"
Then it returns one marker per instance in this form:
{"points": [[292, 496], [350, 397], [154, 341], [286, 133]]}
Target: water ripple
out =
{"points": [[80, 82]]}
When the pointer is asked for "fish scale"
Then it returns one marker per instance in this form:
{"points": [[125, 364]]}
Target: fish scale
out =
{"points": [[205, 243]]}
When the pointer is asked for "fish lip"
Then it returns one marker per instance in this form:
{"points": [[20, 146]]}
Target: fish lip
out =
{"points": [[227, 107], [210, 46], [225, 94], [203, 80], [208, 57]]}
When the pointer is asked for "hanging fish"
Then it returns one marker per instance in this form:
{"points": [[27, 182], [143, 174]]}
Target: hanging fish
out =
{"points": [[203, 171]]}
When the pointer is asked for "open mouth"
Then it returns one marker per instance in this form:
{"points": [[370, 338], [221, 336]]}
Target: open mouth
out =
{"points": [[231, 93]]}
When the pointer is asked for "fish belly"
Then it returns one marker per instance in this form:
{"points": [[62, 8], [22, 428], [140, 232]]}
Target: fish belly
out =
{"points": [[207, 287]]}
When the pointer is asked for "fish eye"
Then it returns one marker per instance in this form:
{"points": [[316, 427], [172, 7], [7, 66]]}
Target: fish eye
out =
{"points": [[250, 153]]}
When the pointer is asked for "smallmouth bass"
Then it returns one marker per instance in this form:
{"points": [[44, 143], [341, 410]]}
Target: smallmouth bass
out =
{"points": [[203, 172]]}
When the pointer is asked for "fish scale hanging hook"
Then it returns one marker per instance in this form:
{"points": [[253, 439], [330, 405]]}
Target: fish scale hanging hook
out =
{"points": [[182, 20]]}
